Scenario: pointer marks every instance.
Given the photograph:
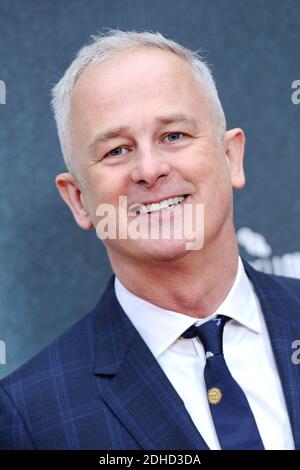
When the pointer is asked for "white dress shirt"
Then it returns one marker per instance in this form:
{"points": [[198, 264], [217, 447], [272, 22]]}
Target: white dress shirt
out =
{"points": [[247, 351]]}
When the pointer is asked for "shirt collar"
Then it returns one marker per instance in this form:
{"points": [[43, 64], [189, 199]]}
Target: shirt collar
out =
{"points": [[159, 327]]}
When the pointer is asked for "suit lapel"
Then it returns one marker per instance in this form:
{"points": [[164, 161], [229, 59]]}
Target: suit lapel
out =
{"points": [[281, 309], [135, 387]]}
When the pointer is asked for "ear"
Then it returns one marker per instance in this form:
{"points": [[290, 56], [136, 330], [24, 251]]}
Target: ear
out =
{"points": [[234, 143], [69, 189]]}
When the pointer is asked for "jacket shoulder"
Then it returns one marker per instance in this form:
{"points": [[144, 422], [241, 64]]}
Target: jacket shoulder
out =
{"points": [[71, 345], [285, 286], [33, 393]]}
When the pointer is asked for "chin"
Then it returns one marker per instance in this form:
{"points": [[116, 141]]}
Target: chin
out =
{"points": [[161, 250]]}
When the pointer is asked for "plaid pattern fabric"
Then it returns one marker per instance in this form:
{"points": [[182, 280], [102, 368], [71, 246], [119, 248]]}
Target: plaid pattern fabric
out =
{"points": [[98, 386]]}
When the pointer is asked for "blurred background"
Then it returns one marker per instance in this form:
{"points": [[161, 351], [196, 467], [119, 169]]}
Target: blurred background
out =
{"points": [[52, 272]]}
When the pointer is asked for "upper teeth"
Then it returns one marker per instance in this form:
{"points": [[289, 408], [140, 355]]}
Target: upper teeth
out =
{"points": [[160, 205]]}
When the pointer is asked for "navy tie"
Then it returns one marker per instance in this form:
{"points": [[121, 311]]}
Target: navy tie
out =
{"points": [[234, 421]]}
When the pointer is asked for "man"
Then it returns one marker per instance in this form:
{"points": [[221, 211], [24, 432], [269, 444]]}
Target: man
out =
{"points": [[139, 117]]}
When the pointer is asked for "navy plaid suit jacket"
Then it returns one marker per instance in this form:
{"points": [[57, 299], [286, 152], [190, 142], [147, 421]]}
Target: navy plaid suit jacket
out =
{"points": [[98, 386]]}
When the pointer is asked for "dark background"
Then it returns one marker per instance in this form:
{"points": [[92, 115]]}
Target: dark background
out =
{"points": [[52, 272]]}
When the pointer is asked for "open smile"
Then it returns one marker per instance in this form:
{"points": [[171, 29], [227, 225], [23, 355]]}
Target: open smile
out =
{"points": [[165, 204]]}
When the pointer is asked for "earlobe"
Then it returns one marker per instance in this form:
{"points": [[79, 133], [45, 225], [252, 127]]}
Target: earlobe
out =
{"points": [[234, 151], [70, 192]]}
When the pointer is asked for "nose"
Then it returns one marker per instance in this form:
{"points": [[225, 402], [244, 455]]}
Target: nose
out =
{"points": [[149, 167]]}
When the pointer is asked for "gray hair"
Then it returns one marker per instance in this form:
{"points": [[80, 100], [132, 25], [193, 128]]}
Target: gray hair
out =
{"points": [[103, 46]]}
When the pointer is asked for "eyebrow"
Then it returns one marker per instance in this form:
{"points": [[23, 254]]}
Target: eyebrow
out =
{"points": [[114, 132]]}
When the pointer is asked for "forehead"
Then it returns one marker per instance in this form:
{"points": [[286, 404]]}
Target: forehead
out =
{"points": [[130, 91], [135, 77]]}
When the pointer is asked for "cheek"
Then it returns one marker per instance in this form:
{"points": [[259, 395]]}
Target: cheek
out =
{"points": [[202, 167], [214, 166], [209, 171], [106, 185]]}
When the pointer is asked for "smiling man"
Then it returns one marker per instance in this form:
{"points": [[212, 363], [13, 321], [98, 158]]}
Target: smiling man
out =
{"points": [[187, 348]]}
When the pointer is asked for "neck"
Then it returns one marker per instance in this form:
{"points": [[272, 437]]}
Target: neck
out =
{"points": [[195, 284]]}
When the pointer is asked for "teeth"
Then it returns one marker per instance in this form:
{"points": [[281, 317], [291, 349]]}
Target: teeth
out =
{"points": [[161, 205]]}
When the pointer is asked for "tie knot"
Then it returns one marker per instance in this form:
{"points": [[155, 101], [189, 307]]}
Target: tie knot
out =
{"points": [[210, 334]]}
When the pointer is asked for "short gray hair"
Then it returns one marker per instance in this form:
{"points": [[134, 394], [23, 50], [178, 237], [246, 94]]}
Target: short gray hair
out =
{"points": [[103, 46]]}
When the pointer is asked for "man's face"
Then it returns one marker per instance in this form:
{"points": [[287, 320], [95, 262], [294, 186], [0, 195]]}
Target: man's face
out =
{"points": [[141, 128]]}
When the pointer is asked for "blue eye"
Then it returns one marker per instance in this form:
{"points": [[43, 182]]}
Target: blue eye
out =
{"points": [[174, 136], [116, 152]]}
